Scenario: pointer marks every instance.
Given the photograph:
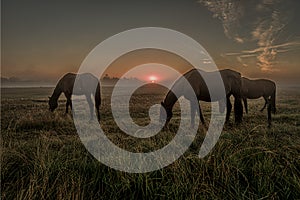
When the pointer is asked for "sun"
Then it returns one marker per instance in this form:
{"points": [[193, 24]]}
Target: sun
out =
{"points": [[152, 78]]}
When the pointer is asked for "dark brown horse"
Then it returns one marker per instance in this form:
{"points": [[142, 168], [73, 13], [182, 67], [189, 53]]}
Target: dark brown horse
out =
{"points": [[87, 85], [232, 85], [254, 89]]}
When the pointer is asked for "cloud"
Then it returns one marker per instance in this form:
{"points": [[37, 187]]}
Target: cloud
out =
{"points": [[206, 61], [262, 23], [229, 12], [239, 39], [284, 47], [266, 34], [266, 55]]}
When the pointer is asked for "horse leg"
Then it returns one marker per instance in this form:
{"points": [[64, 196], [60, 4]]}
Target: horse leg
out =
{"points": [[90, 102], [200, 114], [69, 102], [67, 106], [229, 107], [97, 106], [238, 109], [193, 111], [269, 113], [266, 102], [98, 113], [71, 106], [245, 104], [222, 105]]}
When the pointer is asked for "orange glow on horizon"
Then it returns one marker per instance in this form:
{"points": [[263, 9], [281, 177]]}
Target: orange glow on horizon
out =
{"points": [[152, 78]]}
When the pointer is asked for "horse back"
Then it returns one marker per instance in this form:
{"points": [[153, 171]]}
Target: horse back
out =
{"points": [[254, 89], [86, 83], [231, 80]]}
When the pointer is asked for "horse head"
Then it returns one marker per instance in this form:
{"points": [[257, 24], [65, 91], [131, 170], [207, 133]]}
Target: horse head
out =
{"points": [[165, 113], [52, 104]]}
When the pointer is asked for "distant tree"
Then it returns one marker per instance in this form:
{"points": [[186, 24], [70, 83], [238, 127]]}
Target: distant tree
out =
{"points": [[106, 77], [3, 79], [14, 79]]}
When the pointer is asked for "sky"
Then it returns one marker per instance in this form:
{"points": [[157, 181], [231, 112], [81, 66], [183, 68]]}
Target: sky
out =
{"points": [[42, 40]]}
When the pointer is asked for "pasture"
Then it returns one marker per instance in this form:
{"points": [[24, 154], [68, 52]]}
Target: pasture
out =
{"points": [[43, 157]]}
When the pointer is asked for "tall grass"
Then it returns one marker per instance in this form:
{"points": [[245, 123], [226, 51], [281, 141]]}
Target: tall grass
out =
{"points": [[43, 157]]}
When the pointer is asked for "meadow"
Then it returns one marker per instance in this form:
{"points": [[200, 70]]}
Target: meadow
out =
{"points": [[42, 156]]}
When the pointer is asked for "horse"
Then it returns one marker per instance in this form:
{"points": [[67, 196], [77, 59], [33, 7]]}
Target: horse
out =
{"points": [[232, 85], [87, 84], [254, 89]]}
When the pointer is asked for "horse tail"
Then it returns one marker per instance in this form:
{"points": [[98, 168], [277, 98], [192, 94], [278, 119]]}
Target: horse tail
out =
{"points": [[273, 100]]}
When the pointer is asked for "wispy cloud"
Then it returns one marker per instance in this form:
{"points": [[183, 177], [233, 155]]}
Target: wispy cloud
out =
{"points": [[266, 54], [229, 12], [284, 47], [266, 34], [269, 22]]}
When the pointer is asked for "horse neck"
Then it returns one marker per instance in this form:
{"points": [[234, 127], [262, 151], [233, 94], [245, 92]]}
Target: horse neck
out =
{"points": [[57, 92], [170, 99]]}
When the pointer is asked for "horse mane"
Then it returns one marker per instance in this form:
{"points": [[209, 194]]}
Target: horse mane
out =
{"points": [[170, 99], [57, 91], [59, 86]]}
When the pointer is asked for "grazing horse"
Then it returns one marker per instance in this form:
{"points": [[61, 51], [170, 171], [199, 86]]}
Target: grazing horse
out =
{"points": [[254, 89], [87, 84], [232, 85]]}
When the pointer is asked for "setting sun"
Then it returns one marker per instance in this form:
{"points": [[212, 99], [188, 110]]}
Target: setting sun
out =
{"points": [[153, 79]]}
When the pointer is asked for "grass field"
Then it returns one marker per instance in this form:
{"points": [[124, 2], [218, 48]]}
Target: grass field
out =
{"points": [[43, 157]]}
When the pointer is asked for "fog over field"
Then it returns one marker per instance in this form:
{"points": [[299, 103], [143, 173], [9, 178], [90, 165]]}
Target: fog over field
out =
{"points": [[43, 157]]}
